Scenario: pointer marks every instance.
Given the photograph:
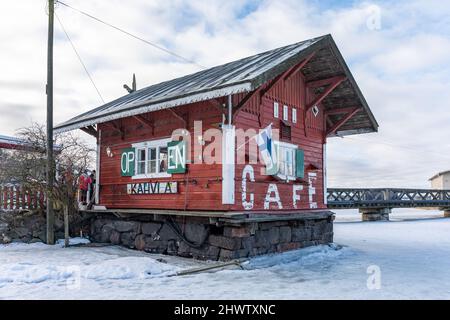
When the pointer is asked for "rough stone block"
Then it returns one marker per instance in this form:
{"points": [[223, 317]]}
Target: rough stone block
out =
{"points": [[115, 237], [328, 237], [183, 249], [270, 225], [285, 234], [225, 242], [127, 226], [195, 232], [318, 230], [127, 239], [248, 243], [262, 238], [282, 247], [21, 232], [209, 253], [150, 228], [105, 233], [98, 224], [139, 242], [166, 233], [301, 234], [226, 255], [274, 235], [238, 232], [172, 247]]}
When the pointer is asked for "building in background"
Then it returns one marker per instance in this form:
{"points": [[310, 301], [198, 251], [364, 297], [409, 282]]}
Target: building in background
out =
{"points": [[441, 181]]}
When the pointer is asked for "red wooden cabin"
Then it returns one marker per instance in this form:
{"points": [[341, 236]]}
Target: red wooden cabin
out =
{"points": [[305, 90]]}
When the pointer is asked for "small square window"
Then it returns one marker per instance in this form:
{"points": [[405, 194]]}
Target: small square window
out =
{"points": [[294, 115], [275, 110], [285, 113]]}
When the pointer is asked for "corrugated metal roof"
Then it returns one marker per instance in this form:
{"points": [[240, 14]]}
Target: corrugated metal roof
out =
{"points": [[239, 76], [11, 140]]}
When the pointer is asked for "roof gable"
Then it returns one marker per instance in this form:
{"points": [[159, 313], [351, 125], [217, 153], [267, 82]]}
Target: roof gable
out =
{"points": [[243, 75]]}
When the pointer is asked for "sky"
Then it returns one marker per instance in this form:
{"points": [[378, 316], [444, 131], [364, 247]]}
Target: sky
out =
{"points": [[398, 52]]}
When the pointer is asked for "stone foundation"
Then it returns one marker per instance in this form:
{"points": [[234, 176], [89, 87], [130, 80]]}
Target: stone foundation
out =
{"points": [[30, 226], [446, 213], [375, 214], [207, 239]]}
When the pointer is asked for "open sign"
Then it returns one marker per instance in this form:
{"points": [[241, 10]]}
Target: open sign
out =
{"points": [[127, 162]]}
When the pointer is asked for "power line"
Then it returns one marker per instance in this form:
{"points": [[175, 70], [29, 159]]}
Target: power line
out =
{"points": [[133, 35], [79, 58]]}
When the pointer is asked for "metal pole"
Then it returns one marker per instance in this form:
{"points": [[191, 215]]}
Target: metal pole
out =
{"points": [[230, 110], [50, 162]]}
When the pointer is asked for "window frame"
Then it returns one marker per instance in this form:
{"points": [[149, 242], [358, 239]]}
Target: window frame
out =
{"points": [[294, 115], [276, 110], [146, 145], [285, 112], [292, 147]]}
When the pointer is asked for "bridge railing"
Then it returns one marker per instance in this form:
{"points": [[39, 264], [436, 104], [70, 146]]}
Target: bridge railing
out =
{"points": [[387, 197], [15, 197]]}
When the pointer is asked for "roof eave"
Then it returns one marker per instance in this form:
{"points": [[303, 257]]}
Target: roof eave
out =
{"points": [[355, 86], [150, 106]]}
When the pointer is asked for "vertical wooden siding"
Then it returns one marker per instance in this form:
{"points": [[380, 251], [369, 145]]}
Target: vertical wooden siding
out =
{"points": [[307, 133], [200, 188]]}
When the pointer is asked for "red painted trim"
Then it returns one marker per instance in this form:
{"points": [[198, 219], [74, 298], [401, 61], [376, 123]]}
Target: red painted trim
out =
{"points": [[90, 131], [176, 115], [332, 84], [324, 82], [145, 122], [341, 122], [247, 98]]}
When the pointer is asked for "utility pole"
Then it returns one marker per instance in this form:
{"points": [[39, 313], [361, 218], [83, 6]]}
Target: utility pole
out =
{"points": [[50, 160]]}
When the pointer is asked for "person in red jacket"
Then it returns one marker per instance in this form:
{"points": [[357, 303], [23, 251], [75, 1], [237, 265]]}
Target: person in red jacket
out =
{"points": [[83, 183]]}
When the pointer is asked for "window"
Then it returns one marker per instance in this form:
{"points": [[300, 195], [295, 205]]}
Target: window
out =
{"points": [[285, 113], [275, 110], [285, 131], [141, 156], [151, 159], [286, 160], [294, 115]]}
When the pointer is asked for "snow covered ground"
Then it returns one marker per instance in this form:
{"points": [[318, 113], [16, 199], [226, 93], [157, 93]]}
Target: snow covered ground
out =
{"points": [[401, 259]]}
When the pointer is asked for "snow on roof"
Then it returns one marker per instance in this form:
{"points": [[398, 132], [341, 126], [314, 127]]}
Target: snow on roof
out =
{"points": [[10, 142], [243, 75]]}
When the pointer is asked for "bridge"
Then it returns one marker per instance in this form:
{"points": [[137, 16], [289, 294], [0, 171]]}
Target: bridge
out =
{"points": [[377, 204]]}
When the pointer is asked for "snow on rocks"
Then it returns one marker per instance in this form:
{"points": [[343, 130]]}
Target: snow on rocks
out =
{"points": [[73, 241], [412, 258]]}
